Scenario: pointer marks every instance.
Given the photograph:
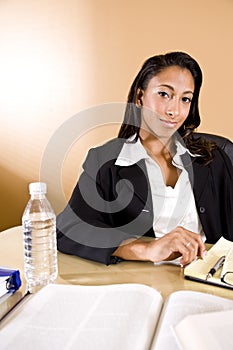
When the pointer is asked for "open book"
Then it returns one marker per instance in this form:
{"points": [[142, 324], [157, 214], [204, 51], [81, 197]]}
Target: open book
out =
{"points": [[206, 331], [198, 269], [106, 317]]}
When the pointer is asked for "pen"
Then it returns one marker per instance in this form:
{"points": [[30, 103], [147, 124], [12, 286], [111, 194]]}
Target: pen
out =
{"points": [[215, 268]]}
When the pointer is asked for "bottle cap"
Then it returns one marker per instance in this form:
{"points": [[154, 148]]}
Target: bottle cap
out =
{"points": [[37, 187]]}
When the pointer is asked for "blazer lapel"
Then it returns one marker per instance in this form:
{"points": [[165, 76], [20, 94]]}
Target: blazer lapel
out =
{"points": [[137, 175], [138, 181], [201, 177], [198, 174]]}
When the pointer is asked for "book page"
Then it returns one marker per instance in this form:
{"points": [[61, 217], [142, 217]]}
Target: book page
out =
{"points": [[3, 288], [210, 331], [84, 317], [179, 305], [199, 269]]}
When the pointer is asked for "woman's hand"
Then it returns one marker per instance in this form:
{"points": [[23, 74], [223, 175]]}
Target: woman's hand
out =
{"points": [[178, 242]]}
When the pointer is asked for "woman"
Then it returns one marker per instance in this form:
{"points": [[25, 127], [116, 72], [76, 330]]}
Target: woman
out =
{"points": [[156, 192]]}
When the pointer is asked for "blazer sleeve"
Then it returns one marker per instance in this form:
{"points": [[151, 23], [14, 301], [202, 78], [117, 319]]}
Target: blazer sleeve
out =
{"points": [[215, 205], [84, 227], [226, 198]]}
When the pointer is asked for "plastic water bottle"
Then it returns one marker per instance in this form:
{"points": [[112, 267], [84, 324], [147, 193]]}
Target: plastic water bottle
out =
{"points": [[40, 246]]}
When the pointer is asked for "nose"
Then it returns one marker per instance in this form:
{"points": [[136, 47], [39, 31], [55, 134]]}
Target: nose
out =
{"points": [[173, 109]]}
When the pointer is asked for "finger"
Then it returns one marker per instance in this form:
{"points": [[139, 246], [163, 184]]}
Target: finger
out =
{"points": [[201, 247], [202, 253], [196, 243], [189, 252]]}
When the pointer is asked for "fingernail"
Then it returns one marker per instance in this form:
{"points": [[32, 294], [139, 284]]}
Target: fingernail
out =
{"points": [[204, 253]]}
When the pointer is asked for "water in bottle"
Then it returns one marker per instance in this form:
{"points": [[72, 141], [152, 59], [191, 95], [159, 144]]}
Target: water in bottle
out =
{"points": [[40, 247]]}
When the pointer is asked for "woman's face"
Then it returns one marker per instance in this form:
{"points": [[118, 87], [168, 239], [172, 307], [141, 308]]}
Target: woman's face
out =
{"points": [[166, 101]]}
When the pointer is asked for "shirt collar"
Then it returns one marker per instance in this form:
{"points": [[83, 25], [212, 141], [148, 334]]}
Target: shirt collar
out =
{"points": [[181, 149], [132, 152]]}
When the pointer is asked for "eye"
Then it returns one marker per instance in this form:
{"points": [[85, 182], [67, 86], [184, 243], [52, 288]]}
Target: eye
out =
{"points": [[186, 99], [163, 94]]}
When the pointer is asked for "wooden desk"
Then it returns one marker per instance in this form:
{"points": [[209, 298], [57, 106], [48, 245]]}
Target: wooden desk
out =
{"points": [[166, 278]]}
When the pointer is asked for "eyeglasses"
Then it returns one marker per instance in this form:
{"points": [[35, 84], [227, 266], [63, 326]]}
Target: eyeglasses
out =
{"points": [[227, 278]]}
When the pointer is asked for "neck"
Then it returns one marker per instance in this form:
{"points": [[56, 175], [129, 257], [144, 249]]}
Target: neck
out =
{"points": [[154, 144]]}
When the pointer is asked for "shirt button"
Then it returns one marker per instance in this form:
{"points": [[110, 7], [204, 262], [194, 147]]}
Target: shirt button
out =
{"points": [[202, 210]]}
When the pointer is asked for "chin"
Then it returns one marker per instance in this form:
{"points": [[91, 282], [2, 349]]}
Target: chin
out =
{"points": [[165, 134]]}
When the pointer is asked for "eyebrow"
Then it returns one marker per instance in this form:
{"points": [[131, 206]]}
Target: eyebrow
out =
{"points": [[172, 88]]}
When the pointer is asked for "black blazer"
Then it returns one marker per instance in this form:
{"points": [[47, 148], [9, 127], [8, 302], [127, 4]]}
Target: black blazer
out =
{"points": [[112, 203]]}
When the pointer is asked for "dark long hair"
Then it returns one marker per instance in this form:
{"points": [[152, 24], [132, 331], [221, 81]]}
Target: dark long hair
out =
{"points": [[151, 67]]}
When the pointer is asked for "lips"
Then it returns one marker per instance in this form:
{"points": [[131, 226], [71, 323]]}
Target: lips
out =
{"points": [[168, 123]]}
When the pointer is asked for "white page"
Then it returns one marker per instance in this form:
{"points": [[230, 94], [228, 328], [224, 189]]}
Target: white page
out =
{"points": [[84, 318], [179, 305], [200, 267], [3, 281], [209, 331]]}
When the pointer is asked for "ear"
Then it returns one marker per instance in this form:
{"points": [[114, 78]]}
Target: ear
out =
{"points": [[139, 98]]}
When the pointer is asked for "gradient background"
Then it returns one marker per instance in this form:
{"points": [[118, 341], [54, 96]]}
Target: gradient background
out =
{"points": [[60, 57]]}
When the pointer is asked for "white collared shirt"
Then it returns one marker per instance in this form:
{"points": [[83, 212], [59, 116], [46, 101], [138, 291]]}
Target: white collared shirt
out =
{"points": [[172, 207]]}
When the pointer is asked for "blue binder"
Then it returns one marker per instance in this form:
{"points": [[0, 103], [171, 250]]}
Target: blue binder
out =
{"points": [[10, 280]]}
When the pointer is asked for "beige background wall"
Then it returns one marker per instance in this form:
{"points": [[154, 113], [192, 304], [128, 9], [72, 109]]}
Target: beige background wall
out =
{"points": [[60, 57]]}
